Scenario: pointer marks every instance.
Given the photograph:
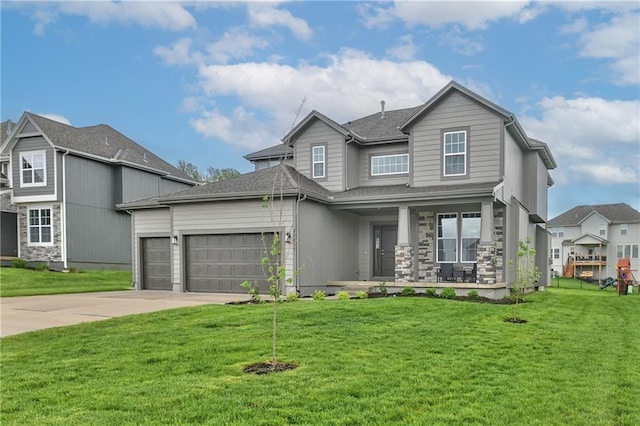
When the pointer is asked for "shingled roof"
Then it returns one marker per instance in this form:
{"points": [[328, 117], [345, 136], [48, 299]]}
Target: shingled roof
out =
{"points": [[615, 213], [278, 151], [381, 126], [104, 142]]}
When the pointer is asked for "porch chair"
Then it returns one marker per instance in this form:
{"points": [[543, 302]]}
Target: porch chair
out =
{"points": [[445, 272], [473, 275]]}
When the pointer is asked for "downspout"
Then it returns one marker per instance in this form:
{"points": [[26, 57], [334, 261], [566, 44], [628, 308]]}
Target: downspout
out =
{"points": [[301, 197], [346, 162], [64, 210], [133, 253]]}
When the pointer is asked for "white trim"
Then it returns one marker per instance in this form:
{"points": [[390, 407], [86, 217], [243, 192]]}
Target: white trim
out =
{"points": [[23, 154], [455, 216], [33, 198], [323, 162], [462, 218], [40, 207], [445, 155]]}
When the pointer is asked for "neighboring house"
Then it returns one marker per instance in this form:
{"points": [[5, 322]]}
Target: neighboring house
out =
{"points": [[65, 183], [393, 196], [593, 238]]}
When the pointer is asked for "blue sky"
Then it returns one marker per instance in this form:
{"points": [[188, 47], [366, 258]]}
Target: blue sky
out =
{"points": [[208, 82]]}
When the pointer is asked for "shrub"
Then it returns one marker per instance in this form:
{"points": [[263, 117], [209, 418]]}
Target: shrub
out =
{"points": [[473, 295], [73, 270], [448, 293], [362, 295], [42, 267], [431, 292], [253, 291], [383, 288], [319, 295], [344, 295], [408, 291], [19, 263], [292, 297]]}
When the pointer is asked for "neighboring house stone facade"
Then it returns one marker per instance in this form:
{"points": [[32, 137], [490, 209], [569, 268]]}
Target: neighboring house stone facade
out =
{"points": [[593, 237], [65, 182], [390, 197]]}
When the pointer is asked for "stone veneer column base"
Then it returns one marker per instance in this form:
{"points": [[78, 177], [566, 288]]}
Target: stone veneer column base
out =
{"points": [[426, 227], [404, 264], [486, 263]]}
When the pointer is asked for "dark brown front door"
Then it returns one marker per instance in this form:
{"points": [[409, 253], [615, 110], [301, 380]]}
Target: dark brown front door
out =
{"points": [[384, 246]]}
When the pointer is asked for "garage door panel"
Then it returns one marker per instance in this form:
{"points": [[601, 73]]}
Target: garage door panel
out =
{"points": [[220, 263], [156, 263]]}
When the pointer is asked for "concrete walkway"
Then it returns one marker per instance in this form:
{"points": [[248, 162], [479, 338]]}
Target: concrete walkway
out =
{"points": [[30, 313]]}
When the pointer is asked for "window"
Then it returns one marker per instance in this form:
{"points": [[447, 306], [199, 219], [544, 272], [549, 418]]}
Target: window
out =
{"points": [[40, 226], [623, 229], [318, 161], [455, 153], [627, 251], [555, 253], [557, 232], [32, 169], [603, 229], [470, 236], [448, 238], [389, 164]]}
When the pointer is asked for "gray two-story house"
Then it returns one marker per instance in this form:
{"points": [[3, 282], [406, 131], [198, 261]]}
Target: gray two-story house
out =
{"points": [[65, 183], [398, 196]]}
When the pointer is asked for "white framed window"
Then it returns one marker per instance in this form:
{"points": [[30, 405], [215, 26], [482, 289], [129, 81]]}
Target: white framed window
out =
{"points": [[318, 160], [389, 164], [634, 251], [470, 236], [447, 238], [555, 253], [627, 251], [557, 232], [455, 153], [624, 229], [40, 228], [33, 170], [603, 229]]}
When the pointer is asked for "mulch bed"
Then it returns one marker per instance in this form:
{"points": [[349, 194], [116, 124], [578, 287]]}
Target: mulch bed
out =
{"points": [[267, 367]]}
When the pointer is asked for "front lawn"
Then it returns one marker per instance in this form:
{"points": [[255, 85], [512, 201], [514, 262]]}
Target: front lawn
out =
{"points": [[378, 361], [27, 282]]}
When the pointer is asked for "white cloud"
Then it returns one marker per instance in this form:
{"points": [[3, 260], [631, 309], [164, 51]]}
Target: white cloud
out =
{"points": [[404, 50], [235, 43], [179, 53], [460, 44], [165, 15], [473, 15], [351, 85], [619, 41], [593, 139], [56, 117], [267, 15]]}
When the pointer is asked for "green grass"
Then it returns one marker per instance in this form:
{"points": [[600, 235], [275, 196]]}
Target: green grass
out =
{"points": [[378, 361], [27, 282]]}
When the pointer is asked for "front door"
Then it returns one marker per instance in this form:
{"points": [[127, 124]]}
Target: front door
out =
{"points": [[384, 250]]}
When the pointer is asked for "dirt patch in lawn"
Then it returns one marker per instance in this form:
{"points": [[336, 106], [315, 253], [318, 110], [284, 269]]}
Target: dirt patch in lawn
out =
{"points": [[267, 367]]}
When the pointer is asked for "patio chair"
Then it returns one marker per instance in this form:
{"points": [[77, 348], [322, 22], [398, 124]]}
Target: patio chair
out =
{"points": [[472, 276], [445, 272]]}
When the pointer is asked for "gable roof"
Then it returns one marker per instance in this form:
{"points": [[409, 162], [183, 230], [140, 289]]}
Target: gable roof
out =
{"points": [[379, 126], [102, 143], [310, 118], [614, 213]]}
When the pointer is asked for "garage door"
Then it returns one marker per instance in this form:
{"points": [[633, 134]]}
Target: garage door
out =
{"points": [[221, 262], [156, 264]]}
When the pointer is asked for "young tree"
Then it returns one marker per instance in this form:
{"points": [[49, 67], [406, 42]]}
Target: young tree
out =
{"points": [[527, 273]]}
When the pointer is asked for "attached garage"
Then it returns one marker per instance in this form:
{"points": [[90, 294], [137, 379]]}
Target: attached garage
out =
{"points": [[221, 262], [156, 263]]}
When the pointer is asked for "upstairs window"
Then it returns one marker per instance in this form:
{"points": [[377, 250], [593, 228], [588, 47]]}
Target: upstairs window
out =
{"points": [[389, 164], [318, 161], [555, 253], [557, 232], [40, 227], [455, 153], [603, 229], [32, 168], [623, 229]]}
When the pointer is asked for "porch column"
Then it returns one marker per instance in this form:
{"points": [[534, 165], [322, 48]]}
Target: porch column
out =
{"points": [[486, 255], [404, 250]]}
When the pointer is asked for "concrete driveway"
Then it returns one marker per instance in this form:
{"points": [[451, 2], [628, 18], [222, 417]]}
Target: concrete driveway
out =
{"points": [[30, 313]]}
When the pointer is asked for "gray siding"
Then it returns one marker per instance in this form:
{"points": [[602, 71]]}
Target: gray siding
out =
{"points": [[514, 169], [328, 245], [33, 144], [168, 186], [365, 165], [319, 133], [353, 165], [484, 139], [96, 232]]}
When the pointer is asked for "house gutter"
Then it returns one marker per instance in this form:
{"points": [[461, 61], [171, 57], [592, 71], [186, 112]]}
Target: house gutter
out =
{"points": [[64, 210]]}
